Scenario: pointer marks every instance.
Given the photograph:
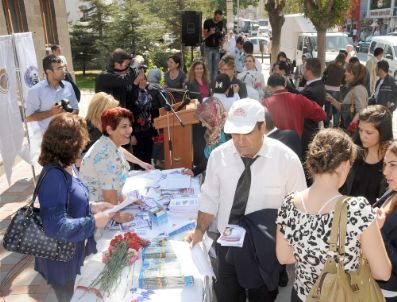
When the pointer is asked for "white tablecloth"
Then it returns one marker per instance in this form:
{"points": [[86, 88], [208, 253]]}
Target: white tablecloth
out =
{"points": [[93, 265]]}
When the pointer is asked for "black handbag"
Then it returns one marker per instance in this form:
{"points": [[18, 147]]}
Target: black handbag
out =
{"points": [[25, 234]]}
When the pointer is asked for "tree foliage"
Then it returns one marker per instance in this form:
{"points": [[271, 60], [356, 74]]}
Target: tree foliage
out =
{"points": [[325, 14], [83, 46]]}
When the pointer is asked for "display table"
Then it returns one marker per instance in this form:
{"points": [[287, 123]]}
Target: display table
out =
{"points": [[200, 291]]}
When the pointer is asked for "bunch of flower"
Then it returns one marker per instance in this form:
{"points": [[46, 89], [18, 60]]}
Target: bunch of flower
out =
{"points": [[123, 250]]}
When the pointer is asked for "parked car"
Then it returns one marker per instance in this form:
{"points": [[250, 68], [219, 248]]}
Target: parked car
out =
{"points": [[389, 45], [363, 46], [394, 33], [256, 42]]}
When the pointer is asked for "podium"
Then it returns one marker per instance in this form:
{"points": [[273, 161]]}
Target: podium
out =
{"points": [[181, 138]]}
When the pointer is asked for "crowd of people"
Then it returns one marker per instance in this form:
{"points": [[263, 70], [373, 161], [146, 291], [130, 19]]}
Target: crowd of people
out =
{"points": [[302, 140]]}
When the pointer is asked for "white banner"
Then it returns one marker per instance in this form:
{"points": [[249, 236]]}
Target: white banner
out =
{"points": [[11, 129], [29, 76]]}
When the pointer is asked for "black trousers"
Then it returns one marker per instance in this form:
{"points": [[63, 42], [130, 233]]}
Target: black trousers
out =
{"points": [[227, 288], [64, 293]]}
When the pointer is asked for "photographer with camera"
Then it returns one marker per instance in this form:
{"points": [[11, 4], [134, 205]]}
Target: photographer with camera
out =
{"points": [[213, 31], [52, 95], [120, 79]]}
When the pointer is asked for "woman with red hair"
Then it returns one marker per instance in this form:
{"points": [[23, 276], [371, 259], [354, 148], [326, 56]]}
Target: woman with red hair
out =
{"points": [[104, 168]]}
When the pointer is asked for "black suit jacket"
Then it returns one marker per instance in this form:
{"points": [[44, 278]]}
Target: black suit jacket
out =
{"points": [[256, 263], [315, 91], [289, 138]]}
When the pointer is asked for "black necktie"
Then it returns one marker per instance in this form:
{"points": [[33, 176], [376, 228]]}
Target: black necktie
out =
{"points": [[242, 192]]}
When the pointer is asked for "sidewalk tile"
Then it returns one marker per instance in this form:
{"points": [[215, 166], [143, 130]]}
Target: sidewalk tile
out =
{"points": [[27, 277], [39, 297]]}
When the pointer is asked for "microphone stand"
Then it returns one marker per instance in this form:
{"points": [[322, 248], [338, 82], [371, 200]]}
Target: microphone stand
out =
{"points": [[168, 107]]}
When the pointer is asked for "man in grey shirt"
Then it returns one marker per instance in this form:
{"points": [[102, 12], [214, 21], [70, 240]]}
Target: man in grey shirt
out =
{"points": [[43, 99]]}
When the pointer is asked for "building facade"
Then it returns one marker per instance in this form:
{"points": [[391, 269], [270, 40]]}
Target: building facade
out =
{"points": [[46, 19]]}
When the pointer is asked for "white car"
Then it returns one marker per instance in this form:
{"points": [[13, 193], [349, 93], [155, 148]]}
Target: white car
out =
{"points": [[256, 42]]}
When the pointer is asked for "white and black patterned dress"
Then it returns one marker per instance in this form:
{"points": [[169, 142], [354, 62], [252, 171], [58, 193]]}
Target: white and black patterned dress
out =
{"points": [[308, 234]]}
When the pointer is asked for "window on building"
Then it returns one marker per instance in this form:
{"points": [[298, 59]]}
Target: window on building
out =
{"points": [[14, 12], [48, 18]]}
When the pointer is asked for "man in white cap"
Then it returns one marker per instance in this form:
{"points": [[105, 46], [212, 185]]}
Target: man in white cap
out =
{"points": [[226, 193]]}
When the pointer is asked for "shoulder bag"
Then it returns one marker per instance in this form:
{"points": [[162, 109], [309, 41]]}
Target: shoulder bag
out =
{"points": [[334, 283], [347, 112], [25, 234]]}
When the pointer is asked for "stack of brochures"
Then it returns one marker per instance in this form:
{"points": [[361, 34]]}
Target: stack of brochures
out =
{"points": [[161, 268], [233, 235], [186, 206]]}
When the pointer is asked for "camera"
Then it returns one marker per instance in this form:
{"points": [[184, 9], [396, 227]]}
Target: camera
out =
{"points": [[142, 66], [65, 105]]}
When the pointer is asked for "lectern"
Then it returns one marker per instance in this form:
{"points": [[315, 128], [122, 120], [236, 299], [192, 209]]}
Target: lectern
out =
{"points": [[180, 140]]}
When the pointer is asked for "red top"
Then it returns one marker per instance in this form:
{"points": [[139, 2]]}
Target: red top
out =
{"points": [[289, 110], [203, 89]]}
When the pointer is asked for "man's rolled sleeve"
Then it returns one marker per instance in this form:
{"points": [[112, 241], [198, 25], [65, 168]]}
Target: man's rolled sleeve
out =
{"points": [[210, 190]]}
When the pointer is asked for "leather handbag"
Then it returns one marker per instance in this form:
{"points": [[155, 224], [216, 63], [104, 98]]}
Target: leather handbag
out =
{"points": [[25, 234], [334, 283]]}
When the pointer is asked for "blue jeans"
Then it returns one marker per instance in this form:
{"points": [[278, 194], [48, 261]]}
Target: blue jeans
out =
{"points": [[332, 113], [211, 55]]}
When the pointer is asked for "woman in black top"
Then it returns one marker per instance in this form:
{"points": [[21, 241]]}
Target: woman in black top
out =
{"points": [[374, 135], [388, 204]]}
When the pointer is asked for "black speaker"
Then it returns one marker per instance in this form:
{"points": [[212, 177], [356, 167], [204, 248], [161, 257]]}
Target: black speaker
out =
{"points": [[191, 28]]}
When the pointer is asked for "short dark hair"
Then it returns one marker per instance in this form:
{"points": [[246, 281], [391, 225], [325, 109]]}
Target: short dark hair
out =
{"points": [[118, 56], [354, 60], [314, 65], [384, 65], [55, 47], [378, 51], [240, 40], [112, 117], [218, 12], [276, 80], [343, 52], [64, 140], [282, 65], [248, 47], [48, 60]]}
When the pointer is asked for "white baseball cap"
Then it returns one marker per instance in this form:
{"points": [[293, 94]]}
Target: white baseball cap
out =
{"points": [[243, 116]]}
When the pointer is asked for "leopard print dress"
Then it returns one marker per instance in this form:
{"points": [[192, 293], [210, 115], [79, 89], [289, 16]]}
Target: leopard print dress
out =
{"points": [[308, 234]]}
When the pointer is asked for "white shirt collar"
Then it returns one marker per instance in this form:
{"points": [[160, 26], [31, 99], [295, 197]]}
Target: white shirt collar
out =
{"points": [[263, 151], [309, 82]]}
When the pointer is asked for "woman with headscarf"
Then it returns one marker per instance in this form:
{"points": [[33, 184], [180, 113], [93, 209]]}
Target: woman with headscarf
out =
{"points": [[212, 116]]}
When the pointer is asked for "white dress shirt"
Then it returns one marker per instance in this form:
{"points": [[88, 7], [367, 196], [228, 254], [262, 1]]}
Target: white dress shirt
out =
{"points": [[276, 173]]}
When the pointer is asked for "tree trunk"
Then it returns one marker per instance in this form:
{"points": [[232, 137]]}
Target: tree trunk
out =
{"points": [[276, 19], [321, 35], [276, 22]]}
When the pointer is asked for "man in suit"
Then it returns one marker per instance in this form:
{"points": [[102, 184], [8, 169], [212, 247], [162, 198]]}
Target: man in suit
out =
{"points": [[314, 91], [288, 137]]}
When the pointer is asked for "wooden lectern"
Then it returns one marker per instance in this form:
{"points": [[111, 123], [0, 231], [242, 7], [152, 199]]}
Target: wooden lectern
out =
{"points": [[181, 137]]}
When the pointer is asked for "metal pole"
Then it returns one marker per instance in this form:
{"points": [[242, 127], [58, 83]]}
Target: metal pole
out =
{"points": [[238, 16], [22, 99]]}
